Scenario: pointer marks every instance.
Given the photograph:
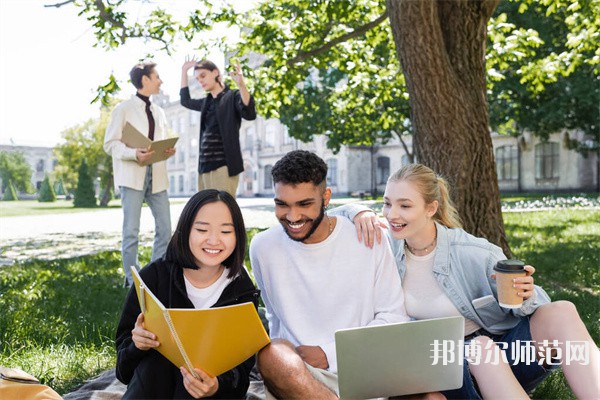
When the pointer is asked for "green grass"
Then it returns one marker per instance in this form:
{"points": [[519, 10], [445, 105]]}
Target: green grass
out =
{"points": [[58, 318], [563, 247]]}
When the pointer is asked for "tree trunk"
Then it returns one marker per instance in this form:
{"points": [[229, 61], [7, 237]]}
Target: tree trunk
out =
{"points": [[106, 194], [441, 47]]}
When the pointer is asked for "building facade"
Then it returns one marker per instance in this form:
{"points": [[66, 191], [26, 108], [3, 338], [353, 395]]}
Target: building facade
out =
{"points": [[523, 164], [40, 159]]}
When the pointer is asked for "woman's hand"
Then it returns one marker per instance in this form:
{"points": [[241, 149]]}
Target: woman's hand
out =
{"points": [[203, 386], [143, 339], [368, 226], [525, 284]]}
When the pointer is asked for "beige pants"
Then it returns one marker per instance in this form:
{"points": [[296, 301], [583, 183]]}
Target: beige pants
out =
{"points": [[329, 379], [219, 179]]}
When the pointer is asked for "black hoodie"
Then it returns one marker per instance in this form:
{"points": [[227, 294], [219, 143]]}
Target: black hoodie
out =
{"points": [[149, 375]]}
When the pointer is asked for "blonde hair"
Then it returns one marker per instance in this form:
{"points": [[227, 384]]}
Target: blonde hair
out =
{"points": [[432, 187]]}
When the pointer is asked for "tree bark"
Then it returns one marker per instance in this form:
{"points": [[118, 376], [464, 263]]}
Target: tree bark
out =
{"points": [[106, 194], [441, 48]]}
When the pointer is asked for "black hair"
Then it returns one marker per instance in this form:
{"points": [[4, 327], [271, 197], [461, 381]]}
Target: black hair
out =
{"points": [[178, 250], [139, 71], [210, 66], [300, 166]]}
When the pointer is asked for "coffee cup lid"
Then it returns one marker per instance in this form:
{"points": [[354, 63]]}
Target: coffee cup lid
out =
{"points": [[509, 266]]}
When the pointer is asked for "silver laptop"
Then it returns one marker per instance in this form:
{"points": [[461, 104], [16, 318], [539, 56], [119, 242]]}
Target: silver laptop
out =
{"points": [[398, 359]]}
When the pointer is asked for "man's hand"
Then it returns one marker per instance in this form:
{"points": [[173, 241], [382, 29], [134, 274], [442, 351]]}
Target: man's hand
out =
{"points": [[143, 155], [237, 75], [170, 152], [314, 356], [190, 61]]}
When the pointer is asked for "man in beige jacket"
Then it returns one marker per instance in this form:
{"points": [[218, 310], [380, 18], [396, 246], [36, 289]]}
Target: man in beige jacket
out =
{"points": [[135, 182]]}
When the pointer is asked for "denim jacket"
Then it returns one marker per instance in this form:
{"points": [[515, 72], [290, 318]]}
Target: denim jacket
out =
{"points": [[463, 266]]}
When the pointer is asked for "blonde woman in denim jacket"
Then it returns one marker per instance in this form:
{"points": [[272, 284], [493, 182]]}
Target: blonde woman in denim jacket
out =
{"points": [[446, 271]]}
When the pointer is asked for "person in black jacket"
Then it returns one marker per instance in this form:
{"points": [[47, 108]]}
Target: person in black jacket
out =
{"points": [[202, 268], [220, 157]]}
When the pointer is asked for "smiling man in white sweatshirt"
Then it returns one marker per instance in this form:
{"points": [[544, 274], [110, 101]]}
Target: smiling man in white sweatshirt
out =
{"points": [[315, 278]]}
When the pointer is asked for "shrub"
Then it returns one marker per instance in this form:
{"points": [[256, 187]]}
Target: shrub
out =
{"points": [[59, 187], [46, 193], [10, 194], [85, 195]]}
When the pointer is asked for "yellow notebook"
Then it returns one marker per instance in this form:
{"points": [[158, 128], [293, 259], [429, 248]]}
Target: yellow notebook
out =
{"points": [[214, 340]]}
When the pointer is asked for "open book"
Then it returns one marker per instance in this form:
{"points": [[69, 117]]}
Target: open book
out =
{"points": [[214, 340], [136, 140]]}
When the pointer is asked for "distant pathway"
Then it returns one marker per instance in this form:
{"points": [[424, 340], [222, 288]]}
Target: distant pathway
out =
{"points": [[53, 236]]}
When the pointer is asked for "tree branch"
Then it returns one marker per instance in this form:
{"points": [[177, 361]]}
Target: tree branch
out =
{"points": [[357, 32], [57, 5], [405, 146], [105, 15]]}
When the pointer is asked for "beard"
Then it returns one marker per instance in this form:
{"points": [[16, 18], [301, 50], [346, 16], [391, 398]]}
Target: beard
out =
{"points": [[315, 224]]}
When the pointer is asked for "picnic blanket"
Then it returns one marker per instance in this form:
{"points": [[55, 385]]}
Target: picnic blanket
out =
{"points": [[107, 387]]}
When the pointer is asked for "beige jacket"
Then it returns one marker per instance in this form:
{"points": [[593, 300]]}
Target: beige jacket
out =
{"points": [[126, 170]]}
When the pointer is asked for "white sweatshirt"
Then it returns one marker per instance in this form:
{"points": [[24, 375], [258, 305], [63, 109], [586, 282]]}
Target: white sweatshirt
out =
{"points": [[312, 290]]}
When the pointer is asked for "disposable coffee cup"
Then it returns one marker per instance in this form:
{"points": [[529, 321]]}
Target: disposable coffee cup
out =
{"points": [[506, 271]]}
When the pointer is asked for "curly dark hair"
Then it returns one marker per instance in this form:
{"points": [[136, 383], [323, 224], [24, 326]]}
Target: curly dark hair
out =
{"points": [[300, 166]]}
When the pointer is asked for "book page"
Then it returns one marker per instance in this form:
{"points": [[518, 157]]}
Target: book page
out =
{"points": [[136, 140]]}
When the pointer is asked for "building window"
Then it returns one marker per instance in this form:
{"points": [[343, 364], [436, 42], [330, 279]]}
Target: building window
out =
{"points": [[171, 184], [270, 136], [41, 165], [193, 181], [181, 156], [507, 163], [194, 117], [332, 172], [546, 160], [287, 139], [268, 177], [250, 137], [405, 160], [383, 169], [180, 183]]}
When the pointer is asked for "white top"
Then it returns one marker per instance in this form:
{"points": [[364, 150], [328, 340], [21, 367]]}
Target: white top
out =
{"points": [[312, 290], [203, 298], [127, 172], [423, 295]]}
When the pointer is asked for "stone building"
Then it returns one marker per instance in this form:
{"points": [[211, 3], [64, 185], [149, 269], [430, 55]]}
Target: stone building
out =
{"points": [[523, 165], [40, 159]]}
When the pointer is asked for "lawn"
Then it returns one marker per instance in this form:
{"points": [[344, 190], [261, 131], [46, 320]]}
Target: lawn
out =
{"points": [[58, 318]]}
